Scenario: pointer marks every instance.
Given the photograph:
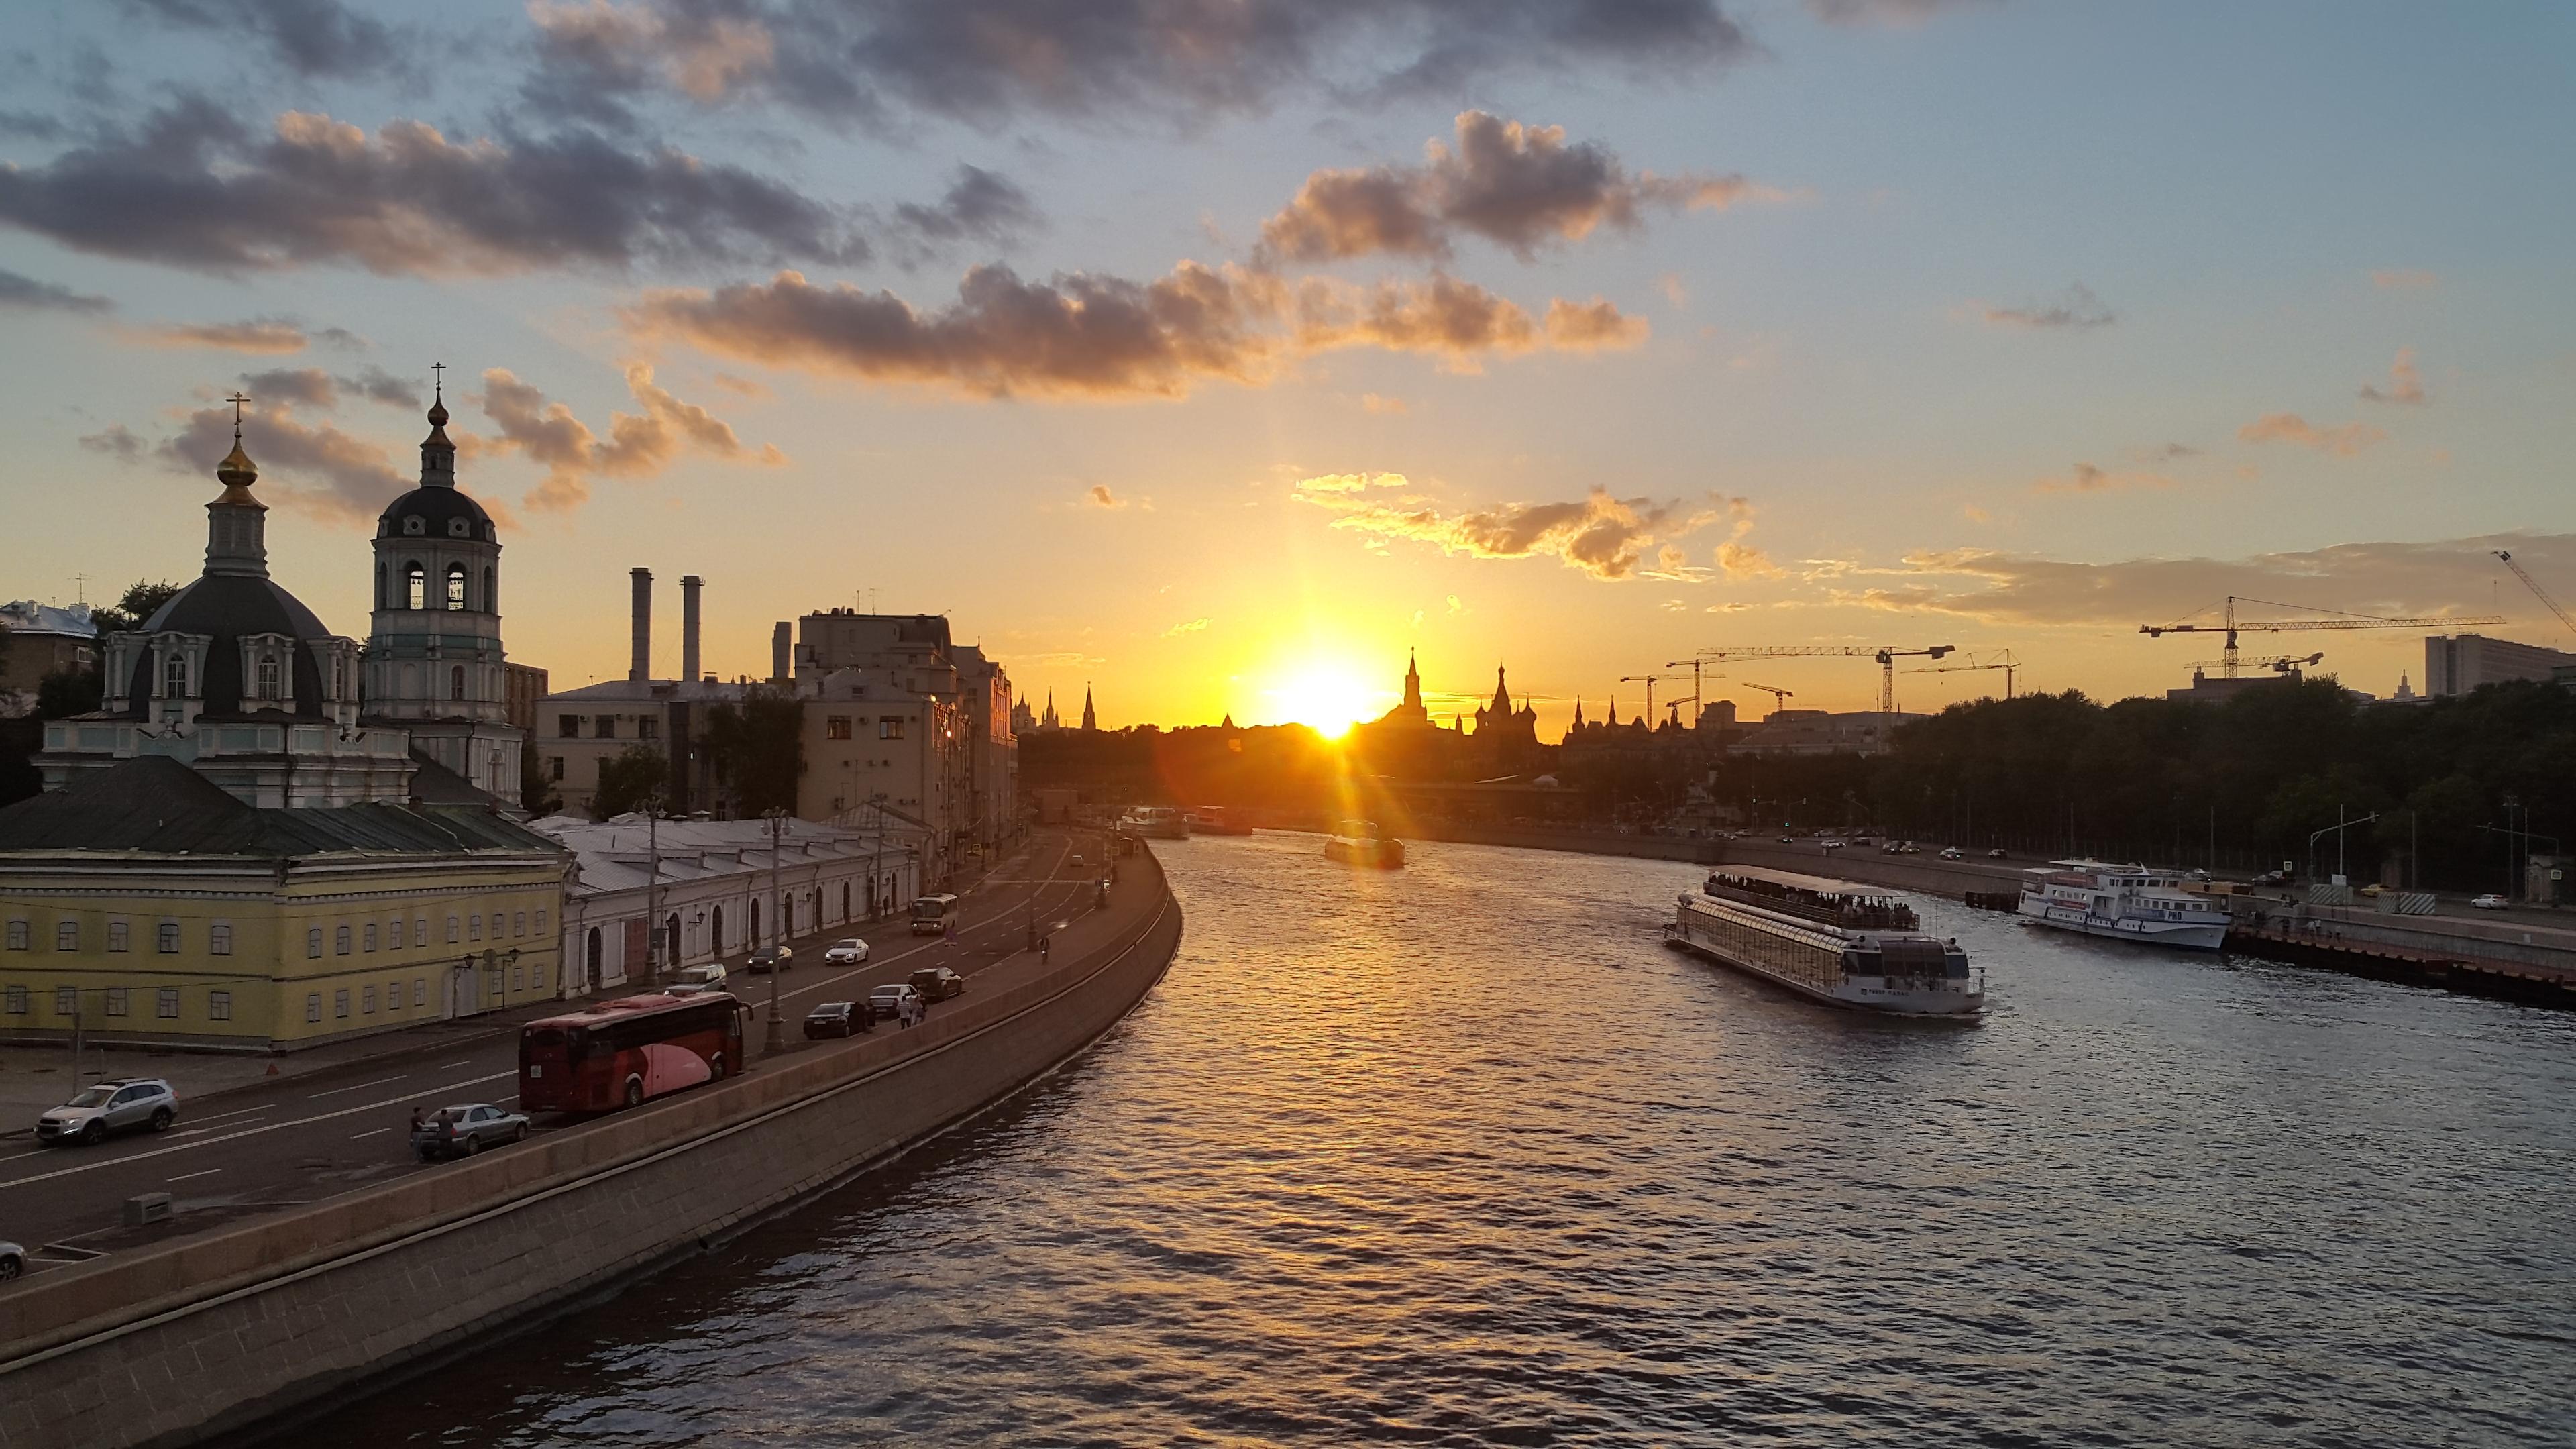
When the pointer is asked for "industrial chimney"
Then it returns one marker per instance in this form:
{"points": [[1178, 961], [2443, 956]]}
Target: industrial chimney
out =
{"points": [[689, 586], [778, 670], [640, 669]]}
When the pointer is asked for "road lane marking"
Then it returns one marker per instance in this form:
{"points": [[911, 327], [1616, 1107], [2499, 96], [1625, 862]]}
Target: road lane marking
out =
{"points": [[385, 1105], [371, 1132], [238, 1112], [183, 1177], [360, 1087], [452, 1066]]}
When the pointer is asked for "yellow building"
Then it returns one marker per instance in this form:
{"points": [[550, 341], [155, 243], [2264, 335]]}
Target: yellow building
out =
{"points": [[146, 904]]}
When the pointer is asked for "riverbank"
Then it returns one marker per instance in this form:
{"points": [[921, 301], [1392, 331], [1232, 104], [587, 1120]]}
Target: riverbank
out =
{"points": [[237, 1330]]}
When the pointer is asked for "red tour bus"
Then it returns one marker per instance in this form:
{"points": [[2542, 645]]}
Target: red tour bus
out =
{"points": [[620, 1052]]}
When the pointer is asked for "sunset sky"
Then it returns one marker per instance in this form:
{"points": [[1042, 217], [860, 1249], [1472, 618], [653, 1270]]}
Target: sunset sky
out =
{"points": [[1214, 353]]}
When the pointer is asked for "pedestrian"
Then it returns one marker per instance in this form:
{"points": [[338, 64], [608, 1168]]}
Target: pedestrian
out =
{"points": [[1045, 944], [416, 1116]]}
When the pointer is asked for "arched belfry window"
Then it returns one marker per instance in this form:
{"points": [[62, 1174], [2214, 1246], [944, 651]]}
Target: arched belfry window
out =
{"points": [[456, 682], [415, 586], [174, 675], [456, 586], [267, 677]]}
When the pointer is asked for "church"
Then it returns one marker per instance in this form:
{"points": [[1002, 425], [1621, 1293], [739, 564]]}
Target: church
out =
{"points": [[237, 679]]}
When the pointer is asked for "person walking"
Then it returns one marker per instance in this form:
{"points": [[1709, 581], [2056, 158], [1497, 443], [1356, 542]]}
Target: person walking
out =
{"points": [[1045, 944]]}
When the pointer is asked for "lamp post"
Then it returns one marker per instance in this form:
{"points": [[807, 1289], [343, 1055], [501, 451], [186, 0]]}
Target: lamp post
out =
{"points": [[776, 1041]]}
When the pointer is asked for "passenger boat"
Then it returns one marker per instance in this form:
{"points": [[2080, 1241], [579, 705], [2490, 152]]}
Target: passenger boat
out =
{"points": [[1220, 820], [1356, 842], [1156, 822], [2123, 902], [1831, 940]]}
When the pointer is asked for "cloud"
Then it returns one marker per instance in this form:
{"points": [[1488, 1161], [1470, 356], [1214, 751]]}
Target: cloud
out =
{"points": [[2405, 385], [314, 387], [26, 294], [1520, 187], [117, 441], [343, 478], [2086, 478], [257, 334], [1099, 496], [1383, 406], [377, 385], [2164, 453], [191, 188], [1592, 326], [980, 206], [638, 445], [2399, 579], [1084, 334], [2404, 281], [2342, 442], [2078, 310], [317, 39], [1900, 14], [1192, 627], [1603, 536], [984, 60], [1350, 482]]}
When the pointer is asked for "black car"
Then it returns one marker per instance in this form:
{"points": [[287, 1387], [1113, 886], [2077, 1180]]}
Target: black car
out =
{"points": [[938, 983], [836, 1018]]}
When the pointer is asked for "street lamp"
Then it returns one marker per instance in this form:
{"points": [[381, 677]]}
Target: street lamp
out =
{"points": [[776, 1041]]}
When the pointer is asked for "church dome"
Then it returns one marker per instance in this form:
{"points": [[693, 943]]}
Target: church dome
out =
{"points": [[434, 510]]}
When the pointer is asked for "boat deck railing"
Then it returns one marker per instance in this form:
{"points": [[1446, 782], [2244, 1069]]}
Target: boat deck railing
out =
{"points": [[1856, 913]]}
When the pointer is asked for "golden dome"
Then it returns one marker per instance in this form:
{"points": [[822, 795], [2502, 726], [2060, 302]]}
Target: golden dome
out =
{"points": [[237, 473]]}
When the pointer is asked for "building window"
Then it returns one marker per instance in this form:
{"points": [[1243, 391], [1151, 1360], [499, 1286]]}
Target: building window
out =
{"points": [[474, 927], [66, 1001], [174, 674], [219, 939], [420, 930], [456, 586], [491, 592], [415, 587], [453, 927], [267, 678], [837, 727], [456, 682], [19, 934], [518, 977], [568, 726], [604, 727], [518, 923], [313, 1006], [420, 991], [370, 938], [340, 941], [890, 728], [541, 922], [66, 935], [647, 728], [340, 1002], [537, 975], [313, 941], [116, 1001], [368, 1003], [167, 938], [219, 1006], [116, 935], [17, 1001], [165, 1003], [554, 767]]}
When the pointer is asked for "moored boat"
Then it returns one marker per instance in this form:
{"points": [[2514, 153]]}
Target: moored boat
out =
{"points": [[1156, 822], [1220, 820], [1834, 941], [2123, 902], [1357, 842]]}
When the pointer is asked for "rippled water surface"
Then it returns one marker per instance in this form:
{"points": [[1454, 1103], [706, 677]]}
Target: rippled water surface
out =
{"points": [[1461, 1155]]}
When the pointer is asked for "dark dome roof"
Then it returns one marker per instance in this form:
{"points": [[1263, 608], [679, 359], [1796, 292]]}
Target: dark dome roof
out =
{"points": [[434, 506], [231, 605]]}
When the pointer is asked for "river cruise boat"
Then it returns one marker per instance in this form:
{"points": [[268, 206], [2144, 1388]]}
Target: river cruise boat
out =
{"points": [[1220, 820], [1156, 822], [1840, 943], [1357, 842], [2125, 903]]}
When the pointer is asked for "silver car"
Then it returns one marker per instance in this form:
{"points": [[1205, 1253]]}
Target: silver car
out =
{"points": [[115, 1106]]}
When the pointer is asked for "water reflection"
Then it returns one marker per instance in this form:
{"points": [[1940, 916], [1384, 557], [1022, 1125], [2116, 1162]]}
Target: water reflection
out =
{"points": [[1460, 1154]]}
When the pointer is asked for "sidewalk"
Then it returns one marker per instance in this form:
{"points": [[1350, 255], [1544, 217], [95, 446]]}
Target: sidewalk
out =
{"points": [[33, 1078]]}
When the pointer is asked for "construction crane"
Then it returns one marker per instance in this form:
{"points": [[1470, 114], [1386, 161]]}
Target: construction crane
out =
{"points": [[2231, 664], [2537, 591], [2277, 663], [1886, 658], [1695, 665], [1647, 680], [1779, 697], [2002, 659]]}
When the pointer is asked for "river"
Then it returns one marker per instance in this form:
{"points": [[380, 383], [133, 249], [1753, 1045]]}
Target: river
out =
{"points": [[1462, 1155]]}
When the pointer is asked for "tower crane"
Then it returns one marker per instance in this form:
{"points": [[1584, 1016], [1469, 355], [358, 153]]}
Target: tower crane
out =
{"points": [[2230, 665], [2538, 592], [1886, 657], [1779, 697], [2277, 663], [1698, 694], [2001, 659], [1647, 680]]}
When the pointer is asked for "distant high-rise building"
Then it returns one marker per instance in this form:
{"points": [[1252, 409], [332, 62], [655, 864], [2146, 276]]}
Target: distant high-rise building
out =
{"points": [[2458, 663]]}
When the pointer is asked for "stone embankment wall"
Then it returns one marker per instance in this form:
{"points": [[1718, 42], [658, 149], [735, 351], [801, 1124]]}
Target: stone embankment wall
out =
{"points": [[1583, 842], [216, 1332]]}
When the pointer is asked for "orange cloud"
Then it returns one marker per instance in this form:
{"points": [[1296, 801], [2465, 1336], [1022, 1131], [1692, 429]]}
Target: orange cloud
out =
{"points": [[2405, 384], [2089, 479], [2342, 442]]}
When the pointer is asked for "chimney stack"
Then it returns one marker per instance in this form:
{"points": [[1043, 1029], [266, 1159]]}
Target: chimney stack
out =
{"points": [[689, 585], [641, 669], [778, 670]]}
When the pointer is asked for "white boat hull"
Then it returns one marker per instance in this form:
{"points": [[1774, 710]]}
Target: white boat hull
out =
{"points": [[2185, 935], [1854, 993]]}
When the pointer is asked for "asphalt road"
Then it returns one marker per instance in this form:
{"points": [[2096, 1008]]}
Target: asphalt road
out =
{"points": [[311, 1137]]}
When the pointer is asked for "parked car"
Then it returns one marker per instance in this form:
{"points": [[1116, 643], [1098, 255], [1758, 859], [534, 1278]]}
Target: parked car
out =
{"points": [[13, 1261], [2273, 877], [1998, 853], [696, 981], [120, 1105], [938, 983], [2490, 902], [836, 1018], [1952, 852], [463, 1130], [1075, 860], [769, 958], [1829, 845], [1784, 840], [852, 952], [895, 1002]]}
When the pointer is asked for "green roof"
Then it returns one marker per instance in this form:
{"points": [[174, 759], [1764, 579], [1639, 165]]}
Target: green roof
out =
{"points": [[155, 805]]}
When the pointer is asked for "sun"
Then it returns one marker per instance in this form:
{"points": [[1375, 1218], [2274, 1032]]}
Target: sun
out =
{"points": [[1327, 697]]}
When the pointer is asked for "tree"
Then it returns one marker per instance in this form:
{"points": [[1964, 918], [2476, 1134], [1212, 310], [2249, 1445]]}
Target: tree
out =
{"points": [[142, 600], [537, 794], [628, 780], [67, 692], [757, 749]]}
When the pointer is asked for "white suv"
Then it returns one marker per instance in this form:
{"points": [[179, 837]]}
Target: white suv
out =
{"points": [[114, 1106]]}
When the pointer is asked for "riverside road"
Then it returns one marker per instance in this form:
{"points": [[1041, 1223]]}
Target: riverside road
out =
{"points": [[305, 1138]]}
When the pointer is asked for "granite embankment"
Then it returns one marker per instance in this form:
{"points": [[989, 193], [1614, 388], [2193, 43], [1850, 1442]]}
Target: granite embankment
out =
{"points": [[238, 1329]]}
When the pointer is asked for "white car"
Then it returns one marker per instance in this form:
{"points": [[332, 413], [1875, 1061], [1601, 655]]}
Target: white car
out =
{"points": [[696, 981], [13, 1261], [1952, 852], [2490, 902], [120, 1104], [852, 952]]}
